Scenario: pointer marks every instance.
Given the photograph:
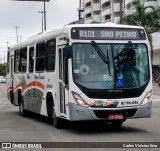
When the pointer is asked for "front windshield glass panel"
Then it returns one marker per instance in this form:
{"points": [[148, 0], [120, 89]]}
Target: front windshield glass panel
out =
{"points": [[126, 67]]}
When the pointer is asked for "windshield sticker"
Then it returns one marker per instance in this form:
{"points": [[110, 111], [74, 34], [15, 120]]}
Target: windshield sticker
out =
{"points": [[120, 76], [120, 83], [84, 69], [100, 103], [76, 70], [75, 75]]}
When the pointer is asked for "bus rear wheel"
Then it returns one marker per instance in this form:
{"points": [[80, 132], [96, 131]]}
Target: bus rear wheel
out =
{"points": [[22, 111]]}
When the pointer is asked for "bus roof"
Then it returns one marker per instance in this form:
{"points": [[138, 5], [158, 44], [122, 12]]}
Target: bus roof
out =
{"points": [[51, 33]]}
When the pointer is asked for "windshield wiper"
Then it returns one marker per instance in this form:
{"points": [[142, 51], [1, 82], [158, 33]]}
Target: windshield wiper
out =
{"points": [[104, 58], [100, 52]]}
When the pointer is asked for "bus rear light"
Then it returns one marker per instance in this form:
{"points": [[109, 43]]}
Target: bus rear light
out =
{"points": [[79, 100], [146, 99]]}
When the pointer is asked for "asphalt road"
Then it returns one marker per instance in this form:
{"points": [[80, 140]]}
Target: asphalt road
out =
{"points": [[14, 128]]}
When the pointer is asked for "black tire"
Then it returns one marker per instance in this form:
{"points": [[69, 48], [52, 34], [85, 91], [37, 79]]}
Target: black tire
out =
{"points": [[12, 98], [117, 123], [49, 106], [57, 122], [22, 111]]}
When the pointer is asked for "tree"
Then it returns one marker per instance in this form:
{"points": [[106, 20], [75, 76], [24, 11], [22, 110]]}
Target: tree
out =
{"points": [[145, 16], [2, 69]]}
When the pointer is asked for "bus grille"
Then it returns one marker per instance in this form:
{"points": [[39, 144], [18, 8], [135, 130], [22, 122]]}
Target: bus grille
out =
{"points": [[105, 113]]}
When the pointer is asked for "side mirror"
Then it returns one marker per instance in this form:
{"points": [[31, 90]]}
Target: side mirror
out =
{"points": [[67, 51]]}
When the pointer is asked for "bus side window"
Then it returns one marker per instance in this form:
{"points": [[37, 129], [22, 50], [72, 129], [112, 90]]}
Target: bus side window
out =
{"points": [[31, 59], [17, 61], [50, 55], [40, 57], [23, 60]]}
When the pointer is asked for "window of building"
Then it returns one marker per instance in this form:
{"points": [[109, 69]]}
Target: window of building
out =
{"points": [[88, 15], [50, 55], [40, 57], [128, 6], [105, 5], [107, 17], [88, 4]]}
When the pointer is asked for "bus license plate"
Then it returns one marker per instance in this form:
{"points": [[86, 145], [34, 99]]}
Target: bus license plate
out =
{"points": [[115, 117]]}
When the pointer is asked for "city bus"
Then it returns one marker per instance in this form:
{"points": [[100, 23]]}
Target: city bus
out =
{"points": [[83, 72]]}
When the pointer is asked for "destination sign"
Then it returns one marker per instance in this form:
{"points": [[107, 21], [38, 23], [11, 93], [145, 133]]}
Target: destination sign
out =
{"points": [[88, 33]]}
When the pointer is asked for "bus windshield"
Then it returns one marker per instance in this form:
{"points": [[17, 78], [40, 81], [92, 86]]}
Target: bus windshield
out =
{"points": [[126, 66]]}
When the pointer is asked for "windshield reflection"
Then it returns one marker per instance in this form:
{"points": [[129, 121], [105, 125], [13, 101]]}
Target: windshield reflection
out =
{"points": [[127, 67]]}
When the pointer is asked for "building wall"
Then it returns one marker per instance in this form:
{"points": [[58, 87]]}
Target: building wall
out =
{"points": [[130, 9], [156, 48], [101, 11]]}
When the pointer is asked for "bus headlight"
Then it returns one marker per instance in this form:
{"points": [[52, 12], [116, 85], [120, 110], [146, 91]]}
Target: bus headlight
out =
{"points": [[146, 99], [79, 100]]}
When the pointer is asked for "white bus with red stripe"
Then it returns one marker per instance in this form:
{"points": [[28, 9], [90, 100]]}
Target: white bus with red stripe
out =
{"points": [[83, 72]]}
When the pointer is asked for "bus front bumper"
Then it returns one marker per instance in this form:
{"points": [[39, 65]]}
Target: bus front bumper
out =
{"points": [[79, 113]]}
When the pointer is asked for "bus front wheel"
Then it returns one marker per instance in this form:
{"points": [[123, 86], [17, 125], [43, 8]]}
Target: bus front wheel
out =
{"points": [[57, 122]]}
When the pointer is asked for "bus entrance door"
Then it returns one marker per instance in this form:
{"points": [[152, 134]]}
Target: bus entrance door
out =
{"points": [[63, 81], [11, 82]]}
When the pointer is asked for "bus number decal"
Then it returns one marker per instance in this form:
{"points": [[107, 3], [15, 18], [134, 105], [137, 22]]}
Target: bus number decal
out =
{"points": [[86, 33]]}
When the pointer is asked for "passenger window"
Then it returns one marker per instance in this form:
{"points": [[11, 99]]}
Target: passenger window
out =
{"points": [[16, 61], [31, 59], [50, 55], [40, 57], [23, 59]]}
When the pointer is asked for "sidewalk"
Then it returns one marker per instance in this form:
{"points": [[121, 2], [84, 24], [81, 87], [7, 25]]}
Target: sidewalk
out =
{"points": [[156, 91]]}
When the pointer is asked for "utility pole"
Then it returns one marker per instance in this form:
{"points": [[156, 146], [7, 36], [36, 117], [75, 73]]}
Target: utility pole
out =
{"points": [[44, 15], [42, 18], [80, 10], [16, 27], [7, 44], [20, 37]]}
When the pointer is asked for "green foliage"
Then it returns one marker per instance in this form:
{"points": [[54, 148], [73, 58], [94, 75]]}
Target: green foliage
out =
{"points": [[3, 69], [145, 16]]}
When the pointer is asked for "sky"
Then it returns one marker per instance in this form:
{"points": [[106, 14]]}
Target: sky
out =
{"points": [[25, 16]]}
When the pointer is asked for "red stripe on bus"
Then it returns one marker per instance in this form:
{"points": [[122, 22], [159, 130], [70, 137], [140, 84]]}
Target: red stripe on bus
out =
{"points": [[9, 89], [40, 85], [34, 83]]}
